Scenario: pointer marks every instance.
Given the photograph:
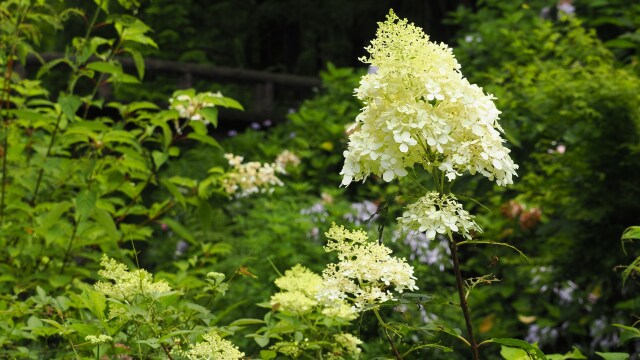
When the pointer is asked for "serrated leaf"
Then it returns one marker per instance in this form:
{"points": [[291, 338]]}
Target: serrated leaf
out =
{"points": [[205, 139], [95, 302]]}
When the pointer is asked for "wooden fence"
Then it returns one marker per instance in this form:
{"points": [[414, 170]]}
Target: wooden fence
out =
{"points": [[264, 85]]}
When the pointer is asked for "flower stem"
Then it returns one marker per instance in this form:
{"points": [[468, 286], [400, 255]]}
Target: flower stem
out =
{"points": [[384, 329], [463, 299]]}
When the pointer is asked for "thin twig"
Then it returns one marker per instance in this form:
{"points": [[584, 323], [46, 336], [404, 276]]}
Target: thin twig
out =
{"points": [[463, 299], [384, 329]]}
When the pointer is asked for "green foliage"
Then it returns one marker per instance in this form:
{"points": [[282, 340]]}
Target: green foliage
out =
{"points": [[82, 177], [571, 112], [75, 186]]}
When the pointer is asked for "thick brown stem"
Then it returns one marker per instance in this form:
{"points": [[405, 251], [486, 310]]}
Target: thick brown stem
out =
{"points": [[463, 299]]}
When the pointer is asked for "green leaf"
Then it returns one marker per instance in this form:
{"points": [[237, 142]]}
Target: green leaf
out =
{"points": [[509, 353], [223, 102], [630, 234], [152, 342], [59, 280], [574, 354], [205, 139], [490, 242], [159, 158], [105, 67], [267, 354], [85, 202], [104, 219], [95, 302], [628, 333], [53, 216], [531, 351], [199, 127], [262, 340], [69, 105], [613, 355], [120, 136], [138, 61], [413, 298], [103, 4], [179, 229], [246, 322], [173, 189], [210, 114], [51, 64]]}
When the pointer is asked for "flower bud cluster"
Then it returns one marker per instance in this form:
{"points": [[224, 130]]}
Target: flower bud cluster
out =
{"points": [[300, 287], [438, 214], [189, 106], [419, 109], [98, 339], [126, 284], [244, 179], [213, 347], [284, 159], [365, 275]]}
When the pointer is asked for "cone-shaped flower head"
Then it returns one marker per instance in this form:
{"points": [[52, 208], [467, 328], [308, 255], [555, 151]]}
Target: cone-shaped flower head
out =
{"points": [[419, 109]]}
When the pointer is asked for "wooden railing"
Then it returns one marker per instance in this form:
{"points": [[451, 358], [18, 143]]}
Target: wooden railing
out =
{"points": [[264, 83]]}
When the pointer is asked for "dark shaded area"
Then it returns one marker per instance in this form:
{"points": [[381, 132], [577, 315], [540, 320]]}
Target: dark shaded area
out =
{"points": [[289, 36]]}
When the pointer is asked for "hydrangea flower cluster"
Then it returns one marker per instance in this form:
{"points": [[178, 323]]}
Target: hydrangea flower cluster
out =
{"points": [[438, 214], [244, 179], [98, 339], [346, 344], [284, 159], [126, 284], [365, 274], [300, 287], [213, 347], [419, 109], [190, 105]]}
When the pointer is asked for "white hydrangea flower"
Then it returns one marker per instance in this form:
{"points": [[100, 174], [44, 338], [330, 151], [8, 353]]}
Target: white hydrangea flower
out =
{"points": [[244, 179], [438, 214], [419, 109], [189, 106], [214, 348], [127, 284], [365, 274], [285, 158]]}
